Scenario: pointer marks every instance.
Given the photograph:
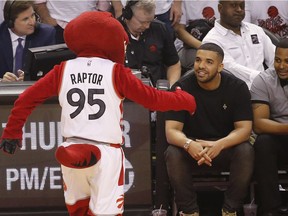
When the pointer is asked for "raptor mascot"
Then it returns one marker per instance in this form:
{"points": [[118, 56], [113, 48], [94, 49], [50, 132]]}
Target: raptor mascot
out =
{"points": [[91, 89]]}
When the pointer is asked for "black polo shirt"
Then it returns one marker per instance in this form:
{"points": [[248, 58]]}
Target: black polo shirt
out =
{"points": [[155, 49]]}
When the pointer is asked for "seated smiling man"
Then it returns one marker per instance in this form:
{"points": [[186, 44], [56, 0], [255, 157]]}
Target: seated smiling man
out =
{"points": [[215, 138], [269, 95]]}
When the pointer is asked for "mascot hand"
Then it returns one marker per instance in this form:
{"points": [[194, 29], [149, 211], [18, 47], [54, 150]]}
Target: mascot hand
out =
{"points": [[9, 145], [190, 104]]}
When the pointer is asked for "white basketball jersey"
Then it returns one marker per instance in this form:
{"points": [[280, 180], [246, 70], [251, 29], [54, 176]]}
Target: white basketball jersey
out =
{"points": [[91, 108]]}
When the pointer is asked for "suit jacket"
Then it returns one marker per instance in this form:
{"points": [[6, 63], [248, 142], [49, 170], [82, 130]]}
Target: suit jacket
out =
{"points": [[43, 35]]}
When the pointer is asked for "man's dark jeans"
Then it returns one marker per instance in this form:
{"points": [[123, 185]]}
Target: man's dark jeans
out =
{"points": [[238, 160], [270, 154]]}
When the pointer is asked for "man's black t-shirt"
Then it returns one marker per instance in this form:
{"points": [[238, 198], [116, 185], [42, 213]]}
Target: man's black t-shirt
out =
{"points": [[217, 110]]}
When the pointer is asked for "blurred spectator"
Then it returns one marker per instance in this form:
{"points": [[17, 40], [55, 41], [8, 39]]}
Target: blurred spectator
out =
{"points": [[1, 11], [197, 19], [18, 32], [246, 46], [150, 45], [116, 7], [269, 95], [194, 11], [170, 13], [59, 13], [271, 15]]}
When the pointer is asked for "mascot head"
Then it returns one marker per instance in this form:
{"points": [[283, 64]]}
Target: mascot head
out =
{"points": [[96, 34]]}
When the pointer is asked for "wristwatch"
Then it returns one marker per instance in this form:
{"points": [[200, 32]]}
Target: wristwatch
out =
{"points": [[187, 144]]}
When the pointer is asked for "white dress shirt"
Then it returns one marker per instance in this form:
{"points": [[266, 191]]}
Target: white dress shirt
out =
{"points": [[243, 54]]}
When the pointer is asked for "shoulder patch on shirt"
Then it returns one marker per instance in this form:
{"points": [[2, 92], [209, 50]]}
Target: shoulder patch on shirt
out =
{"points": [[254, 39]]}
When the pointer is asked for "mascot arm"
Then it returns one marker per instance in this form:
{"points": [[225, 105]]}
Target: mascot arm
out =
{"points": [[24, 105], [131, 87]]}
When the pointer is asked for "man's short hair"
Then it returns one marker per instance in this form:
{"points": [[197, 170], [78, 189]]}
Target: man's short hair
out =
{"points": [[283, 43], [13, 8], [147, 5], [213, 47]]}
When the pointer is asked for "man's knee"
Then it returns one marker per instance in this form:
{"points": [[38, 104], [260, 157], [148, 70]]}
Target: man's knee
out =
{"points": [[173, 153], [264, 144], [243, 161], [245, 151], [176, 163]]}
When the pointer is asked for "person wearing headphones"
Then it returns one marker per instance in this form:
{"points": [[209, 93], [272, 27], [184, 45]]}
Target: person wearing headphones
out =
{"points": [[169, 12], [150, 45], [18, 32]]}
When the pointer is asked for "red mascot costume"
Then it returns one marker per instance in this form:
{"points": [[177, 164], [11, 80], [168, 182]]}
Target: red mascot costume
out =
{"points": [[91, 89]]}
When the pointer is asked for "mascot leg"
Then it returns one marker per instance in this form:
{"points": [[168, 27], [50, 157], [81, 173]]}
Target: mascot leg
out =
{"points": [[75, 160], [80, 208], [85, 168]]}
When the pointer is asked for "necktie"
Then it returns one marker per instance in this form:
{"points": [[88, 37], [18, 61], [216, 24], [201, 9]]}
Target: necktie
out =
{"points": [[18, 56]]}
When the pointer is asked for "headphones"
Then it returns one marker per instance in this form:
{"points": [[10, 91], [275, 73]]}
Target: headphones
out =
{"points": [[127, 12], [7, 13]]}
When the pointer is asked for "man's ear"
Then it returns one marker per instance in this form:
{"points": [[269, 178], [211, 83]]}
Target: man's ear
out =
{"points": [[220, 67], [220, 6]]}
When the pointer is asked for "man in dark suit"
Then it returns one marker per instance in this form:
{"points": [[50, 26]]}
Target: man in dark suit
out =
{"points": [[18, 32]]}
